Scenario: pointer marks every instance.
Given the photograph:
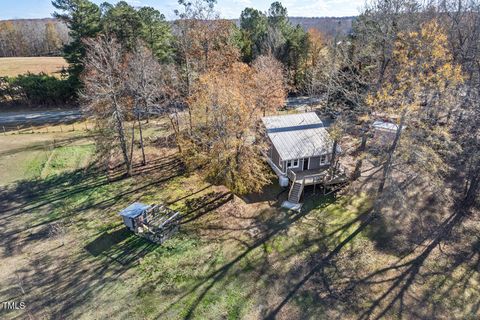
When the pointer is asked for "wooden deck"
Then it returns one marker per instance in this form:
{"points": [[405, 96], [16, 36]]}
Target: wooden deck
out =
{"points": [[312, 176], [318, 176], [325, 177]]}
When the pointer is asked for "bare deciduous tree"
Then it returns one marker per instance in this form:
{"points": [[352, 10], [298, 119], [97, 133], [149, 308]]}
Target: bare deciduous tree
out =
{"points": [[151, 84], [270, 83], [105, 93]]}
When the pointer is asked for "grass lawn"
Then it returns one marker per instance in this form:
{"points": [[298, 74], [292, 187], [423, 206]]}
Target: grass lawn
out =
{"points": [[66, 254], [20, 65]]}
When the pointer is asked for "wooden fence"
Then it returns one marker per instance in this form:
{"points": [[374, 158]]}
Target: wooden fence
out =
{"points": [[32, 128]]}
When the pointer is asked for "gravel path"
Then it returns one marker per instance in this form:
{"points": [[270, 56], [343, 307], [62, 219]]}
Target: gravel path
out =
{"points": [[39, 117]]}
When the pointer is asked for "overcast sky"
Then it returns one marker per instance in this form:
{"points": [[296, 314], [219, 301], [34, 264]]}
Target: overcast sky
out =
{"points": [[16, 9]]}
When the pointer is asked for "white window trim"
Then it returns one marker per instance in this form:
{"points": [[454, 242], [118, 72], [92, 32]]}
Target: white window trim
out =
{"points": [[308, 166], [292, 162]]}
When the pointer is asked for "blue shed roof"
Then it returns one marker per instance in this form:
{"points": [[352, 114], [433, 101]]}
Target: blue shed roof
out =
{"points": [[134, 210]]}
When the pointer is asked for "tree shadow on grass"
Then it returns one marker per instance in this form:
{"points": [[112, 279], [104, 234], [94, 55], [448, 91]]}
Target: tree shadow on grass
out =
{"points": [[33, 194], [397, 231], [195, 208], [242, 266], [121, 246], [42, 202], [270, 193], [456, 231], [323, 262], [392, 290], [54, 287]]}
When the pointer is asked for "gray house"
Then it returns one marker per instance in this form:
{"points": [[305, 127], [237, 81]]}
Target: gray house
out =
{"points": [[300, 151]]}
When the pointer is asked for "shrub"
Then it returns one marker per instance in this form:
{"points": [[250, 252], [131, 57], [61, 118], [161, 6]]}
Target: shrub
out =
{"points": [[36, 90]]}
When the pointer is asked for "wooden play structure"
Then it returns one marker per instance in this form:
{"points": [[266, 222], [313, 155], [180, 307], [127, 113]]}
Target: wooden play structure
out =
{"points": [[156, 222]]}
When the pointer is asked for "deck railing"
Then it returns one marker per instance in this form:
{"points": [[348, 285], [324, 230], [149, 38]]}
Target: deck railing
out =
{"points": [[291, 175]]}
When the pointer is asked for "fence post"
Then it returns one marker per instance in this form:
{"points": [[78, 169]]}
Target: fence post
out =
{"points": [[4, 132], [61, 129], [73, 126], [86, 128]]}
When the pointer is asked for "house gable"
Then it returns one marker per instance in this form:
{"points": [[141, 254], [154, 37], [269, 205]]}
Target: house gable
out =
{"points": [[298, 136]]}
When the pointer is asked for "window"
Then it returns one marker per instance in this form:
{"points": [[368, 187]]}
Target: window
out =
{"points": [[292, 163], [323, 159]]}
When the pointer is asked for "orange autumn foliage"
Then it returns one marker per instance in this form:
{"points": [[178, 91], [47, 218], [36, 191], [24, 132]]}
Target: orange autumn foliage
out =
{"points": [[224, 141]]}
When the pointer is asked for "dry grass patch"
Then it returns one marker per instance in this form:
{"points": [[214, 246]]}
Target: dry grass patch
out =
{"points": [[19, 65]]}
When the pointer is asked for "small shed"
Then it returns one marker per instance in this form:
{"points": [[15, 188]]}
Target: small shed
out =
{"points": [[134, 215], [384, 132], [155, 222]]}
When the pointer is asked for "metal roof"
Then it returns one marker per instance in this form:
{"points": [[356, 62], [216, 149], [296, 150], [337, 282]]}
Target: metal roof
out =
{"points": [[134, 210], [291, 120], [298, 136], [379, 124]]}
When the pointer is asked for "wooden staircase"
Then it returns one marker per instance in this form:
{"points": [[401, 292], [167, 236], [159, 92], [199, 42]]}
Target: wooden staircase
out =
{"points": [[295, 192], [325, 179]]}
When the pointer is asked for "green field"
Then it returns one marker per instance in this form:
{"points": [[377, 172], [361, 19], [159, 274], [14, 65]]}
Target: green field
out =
{"points": [[66, 253]]}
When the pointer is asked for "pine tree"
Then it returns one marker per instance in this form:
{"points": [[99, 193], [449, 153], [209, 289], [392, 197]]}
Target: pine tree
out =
{"points": [[83, 20]]}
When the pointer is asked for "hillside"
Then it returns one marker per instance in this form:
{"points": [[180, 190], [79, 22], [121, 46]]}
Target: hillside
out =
{"points": [[327, 25], [45, 37]]}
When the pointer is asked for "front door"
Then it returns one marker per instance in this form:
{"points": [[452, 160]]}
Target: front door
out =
{"points": [[305, 163]]}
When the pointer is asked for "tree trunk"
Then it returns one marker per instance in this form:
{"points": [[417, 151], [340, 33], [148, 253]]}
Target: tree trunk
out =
{"points": [[358, 165], [176, 130], [472, 190], [144, 161], [334, 157], [121, 136], [388, 162], [188, 89], [132, 143], [123, 143]]}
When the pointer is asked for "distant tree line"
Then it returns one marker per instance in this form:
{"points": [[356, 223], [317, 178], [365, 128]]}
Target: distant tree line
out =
{"points": [[29, 38], [46, 37]]}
